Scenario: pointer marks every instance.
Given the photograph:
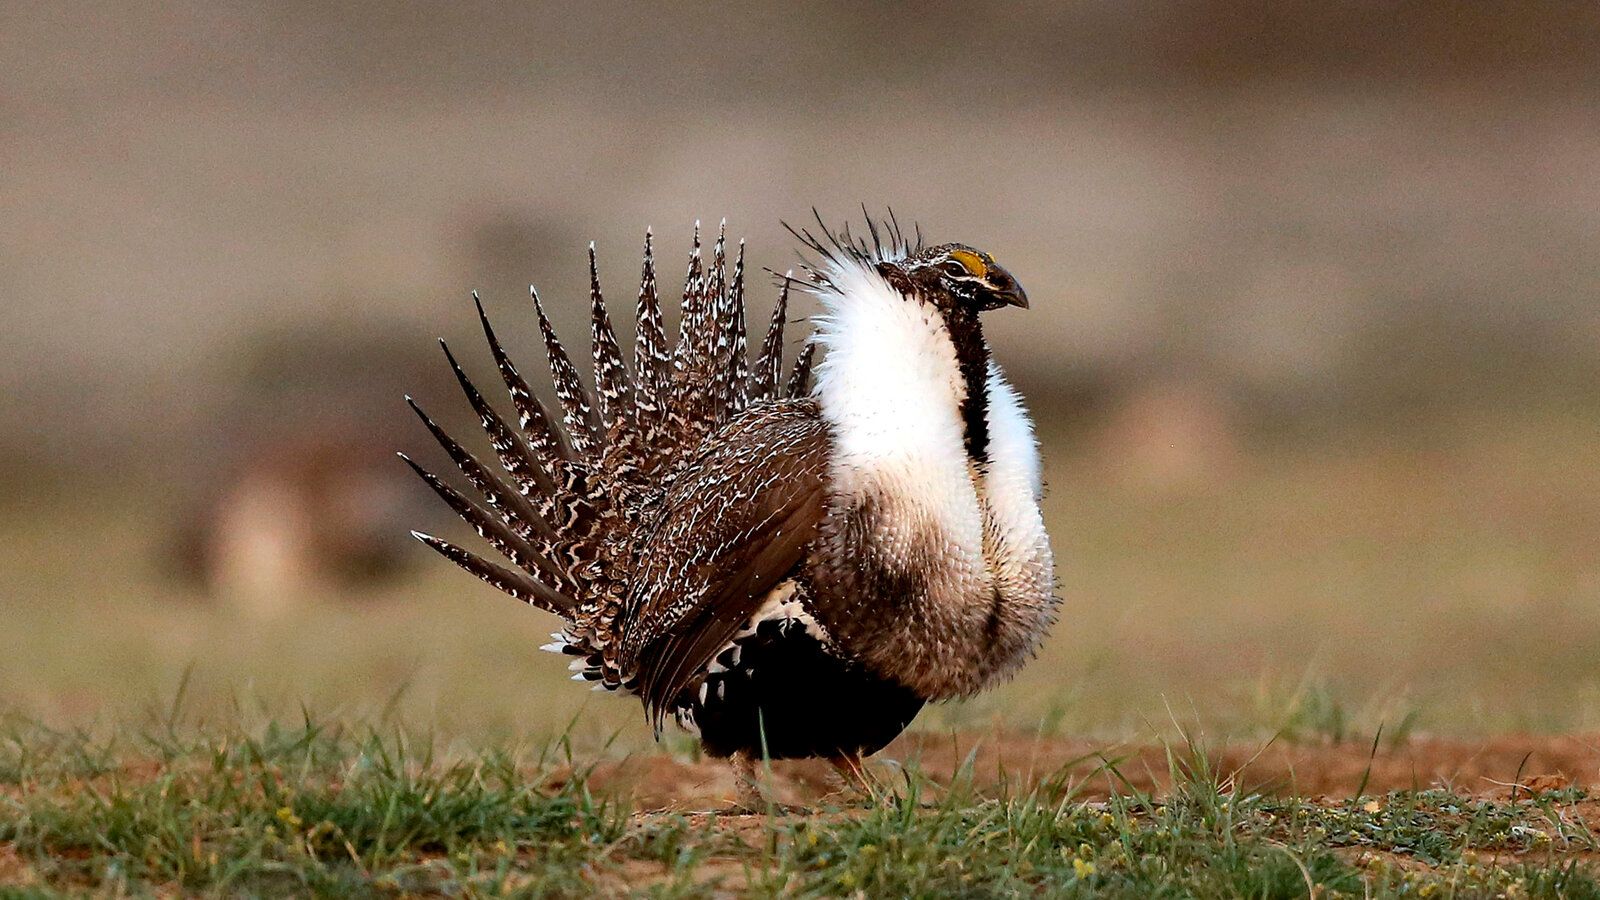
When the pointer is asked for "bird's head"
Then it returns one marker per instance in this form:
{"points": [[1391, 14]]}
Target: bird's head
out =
{"points": [[954, 277]]}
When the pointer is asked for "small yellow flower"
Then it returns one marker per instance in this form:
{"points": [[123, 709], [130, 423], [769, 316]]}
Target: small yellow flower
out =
{"points": [[1082, 869], [1107, 820], [287, 817]]}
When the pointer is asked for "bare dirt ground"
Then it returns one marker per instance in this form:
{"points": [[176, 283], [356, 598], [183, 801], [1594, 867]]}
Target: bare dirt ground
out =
{"points": [[1486, 767]]}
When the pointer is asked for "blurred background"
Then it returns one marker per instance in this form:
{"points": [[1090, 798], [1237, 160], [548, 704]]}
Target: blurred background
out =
{"points": [[1314, 346]]}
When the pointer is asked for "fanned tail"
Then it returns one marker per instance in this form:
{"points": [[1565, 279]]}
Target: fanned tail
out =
{"points": [[769, 365], [578, 494], [577, 413], [532, 415], [612, 382]]}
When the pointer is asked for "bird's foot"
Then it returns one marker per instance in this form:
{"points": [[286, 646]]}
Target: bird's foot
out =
{"points": [[753, 792], [854, 783], [762, 808]]}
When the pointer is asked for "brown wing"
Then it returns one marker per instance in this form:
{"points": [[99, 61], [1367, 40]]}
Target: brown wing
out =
{"points": [[734, 524]]}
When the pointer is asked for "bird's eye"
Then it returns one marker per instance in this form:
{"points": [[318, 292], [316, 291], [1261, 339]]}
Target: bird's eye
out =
{"points": [[965, 264]]}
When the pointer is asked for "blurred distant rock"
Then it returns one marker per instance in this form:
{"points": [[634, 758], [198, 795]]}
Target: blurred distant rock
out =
{"points": [[298, 520], [300, 495]]}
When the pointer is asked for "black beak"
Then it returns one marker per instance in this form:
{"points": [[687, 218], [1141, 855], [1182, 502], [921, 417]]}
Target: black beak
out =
{"points": [[1002, 290], [1011, 295]]}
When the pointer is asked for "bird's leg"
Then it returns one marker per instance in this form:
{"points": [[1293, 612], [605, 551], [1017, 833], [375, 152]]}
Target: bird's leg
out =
{"points": [[751, 790], [748, 796], [853, 775]]}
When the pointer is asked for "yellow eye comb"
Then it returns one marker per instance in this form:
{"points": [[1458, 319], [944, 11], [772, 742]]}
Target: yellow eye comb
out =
{"points": [[972, 261]]}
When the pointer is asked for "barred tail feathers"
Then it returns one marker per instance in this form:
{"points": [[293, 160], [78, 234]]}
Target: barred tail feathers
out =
{"points": [[578, 492]]}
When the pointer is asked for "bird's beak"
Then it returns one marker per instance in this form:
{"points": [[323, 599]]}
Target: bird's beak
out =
{"points": [[1012, 296]]}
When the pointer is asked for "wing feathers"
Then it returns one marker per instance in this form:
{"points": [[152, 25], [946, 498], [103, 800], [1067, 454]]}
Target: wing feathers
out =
{"points": [[732, 527], [695, 642]]}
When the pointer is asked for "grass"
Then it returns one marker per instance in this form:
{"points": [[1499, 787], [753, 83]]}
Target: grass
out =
{"points": [[346, 810]]}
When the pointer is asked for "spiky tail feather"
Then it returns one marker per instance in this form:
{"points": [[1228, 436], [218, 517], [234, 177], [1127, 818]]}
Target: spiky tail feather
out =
{"points": [[582, 493]]}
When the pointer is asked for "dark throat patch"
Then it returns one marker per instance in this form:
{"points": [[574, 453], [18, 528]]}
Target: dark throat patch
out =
{"points": [[972, 354]]}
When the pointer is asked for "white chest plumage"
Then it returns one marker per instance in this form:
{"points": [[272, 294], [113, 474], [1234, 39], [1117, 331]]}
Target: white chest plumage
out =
{"points": [[967, 535]]}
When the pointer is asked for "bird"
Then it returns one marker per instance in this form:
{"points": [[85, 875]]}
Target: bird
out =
{"points": [[786, 561]]}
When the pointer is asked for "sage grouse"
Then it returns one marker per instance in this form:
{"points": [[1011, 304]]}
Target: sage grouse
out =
{"points": [[788, 569]]}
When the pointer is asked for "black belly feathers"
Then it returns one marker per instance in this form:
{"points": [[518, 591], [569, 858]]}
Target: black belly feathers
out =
{"points": [[780, 692], [657, 513]]}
